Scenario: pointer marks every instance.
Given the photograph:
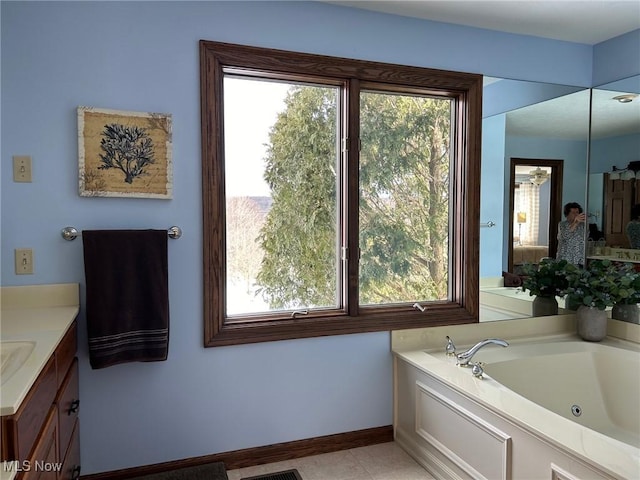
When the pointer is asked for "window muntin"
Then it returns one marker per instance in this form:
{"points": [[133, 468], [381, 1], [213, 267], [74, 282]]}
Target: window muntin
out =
{"points": [[351, 77]]}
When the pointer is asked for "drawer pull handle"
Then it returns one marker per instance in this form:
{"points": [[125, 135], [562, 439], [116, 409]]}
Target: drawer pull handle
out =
{"points": [[74, 407], [75, 473]]}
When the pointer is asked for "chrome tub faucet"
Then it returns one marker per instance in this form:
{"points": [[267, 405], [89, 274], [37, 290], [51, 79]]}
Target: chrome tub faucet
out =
{"points": [[464, 357]]}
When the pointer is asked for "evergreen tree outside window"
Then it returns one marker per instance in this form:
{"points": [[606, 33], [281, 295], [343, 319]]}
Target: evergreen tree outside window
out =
{"points": [[357, 205], [404, 197]]}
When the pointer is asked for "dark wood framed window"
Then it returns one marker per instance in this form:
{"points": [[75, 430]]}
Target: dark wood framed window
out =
{"points": [[339, 196]]}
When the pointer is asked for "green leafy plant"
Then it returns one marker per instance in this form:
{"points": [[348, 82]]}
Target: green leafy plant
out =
{"points": [[550, 278], [628, 285], [601, 285]]}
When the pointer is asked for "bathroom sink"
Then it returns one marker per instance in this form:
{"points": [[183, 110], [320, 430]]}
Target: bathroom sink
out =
{"points": [[12, 357]]}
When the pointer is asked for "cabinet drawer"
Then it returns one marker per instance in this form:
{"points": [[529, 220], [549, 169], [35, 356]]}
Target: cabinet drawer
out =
{"points": [[21, 429], [68, 405], [65, 352]]}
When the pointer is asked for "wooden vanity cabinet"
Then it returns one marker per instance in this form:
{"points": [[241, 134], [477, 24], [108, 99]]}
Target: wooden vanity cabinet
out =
{"points": [[43, 463], [71, 464], [43, 434], [21, 430], [68, 404]]}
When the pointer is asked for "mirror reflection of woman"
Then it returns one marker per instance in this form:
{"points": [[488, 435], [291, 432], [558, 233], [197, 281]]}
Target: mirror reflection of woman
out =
{"points": [[633, 227], [571, 233]]}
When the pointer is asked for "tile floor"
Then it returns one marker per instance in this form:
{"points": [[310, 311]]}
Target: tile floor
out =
{"points": [[385, 461]]}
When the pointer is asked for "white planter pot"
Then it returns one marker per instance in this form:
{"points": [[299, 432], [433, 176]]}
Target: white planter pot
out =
{"points": [[544, 306], [592, 323], [627, 313]]}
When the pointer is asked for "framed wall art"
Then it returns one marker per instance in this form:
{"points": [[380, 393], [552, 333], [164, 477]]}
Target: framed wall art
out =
{"points": [[124, 154]]}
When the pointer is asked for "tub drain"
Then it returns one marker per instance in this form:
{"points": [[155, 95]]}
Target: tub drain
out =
{"points": [[576, 410]]}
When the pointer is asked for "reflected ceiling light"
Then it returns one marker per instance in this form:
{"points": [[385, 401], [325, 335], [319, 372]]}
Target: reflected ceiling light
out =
{"points": [[538, 176], [631, 172], [629, 97]]}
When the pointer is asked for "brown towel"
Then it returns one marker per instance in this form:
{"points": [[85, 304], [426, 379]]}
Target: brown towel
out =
{"points": [[127, 308]]}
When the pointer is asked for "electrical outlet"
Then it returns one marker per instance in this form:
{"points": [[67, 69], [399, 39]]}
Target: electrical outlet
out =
{"points": [[21, 168], [24, 261]]}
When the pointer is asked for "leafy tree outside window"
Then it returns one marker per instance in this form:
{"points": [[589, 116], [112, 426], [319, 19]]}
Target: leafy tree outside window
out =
{"points": [[365, 202]]}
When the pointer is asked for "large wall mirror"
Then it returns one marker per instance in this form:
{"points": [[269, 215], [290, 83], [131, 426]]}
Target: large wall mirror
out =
{"points": [[535, 148], [614, 168]]}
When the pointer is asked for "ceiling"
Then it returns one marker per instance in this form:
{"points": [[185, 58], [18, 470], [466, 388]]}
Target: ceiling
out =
{"points": [[580, 21]]}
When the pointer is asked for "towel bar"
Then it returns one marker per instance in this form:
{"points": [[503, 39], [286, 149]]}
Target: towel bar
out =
{"points": [[71, 233]]}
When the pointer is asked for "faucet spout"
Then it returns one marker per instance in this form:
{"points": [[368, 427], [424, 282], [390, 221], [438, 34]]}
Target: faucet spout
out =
{"points": [[464, 357]]}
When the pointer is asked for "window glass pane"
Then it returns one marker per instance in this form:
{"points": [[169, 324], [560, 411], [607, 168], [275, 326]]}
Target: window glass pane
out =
{"points": [[404, 198], [281, 157]]}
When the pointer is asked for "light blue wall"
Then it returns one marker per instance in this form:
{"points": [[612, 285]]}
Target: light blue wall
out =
{"points": [[507, 95], [616, 58], [492, 204], [144, 57], [614, 151]]}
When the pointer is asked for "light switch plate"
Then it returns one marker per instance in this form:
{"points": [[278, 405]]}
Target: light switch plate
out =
{"points": [[21, 168], [24, 261]]}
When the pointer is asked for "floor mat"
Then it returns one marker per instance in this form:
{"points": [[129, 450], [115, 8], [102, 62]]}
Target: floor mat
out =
{"points": [[286, 475]]}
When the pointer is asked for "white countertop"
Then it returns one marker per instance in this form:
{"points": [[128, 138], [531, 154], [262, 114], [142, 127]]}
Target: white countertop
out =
{"points": [[628, 255], [45, 326], [634, 259], [37, 313]]}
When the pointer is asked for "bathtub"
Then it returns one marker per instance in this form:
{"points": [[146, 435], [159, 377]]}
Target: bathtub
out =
{"points": [[594, 385], [555, 407]]}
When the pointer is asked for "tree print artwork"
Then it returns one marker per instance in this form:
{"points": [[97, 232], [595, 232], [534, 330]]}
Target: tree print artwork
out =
{"points": [[124, 154], [129, 149]]}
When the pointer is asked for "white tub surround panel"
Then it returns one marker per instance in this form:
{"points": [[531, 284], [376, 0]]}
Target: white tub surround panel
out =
{"points": [[458, 426], [458, 434]]}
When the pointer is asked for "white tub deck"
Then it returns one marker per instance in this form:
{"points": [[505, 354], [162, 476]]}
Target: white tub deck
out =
{"points": [[503, 303]]}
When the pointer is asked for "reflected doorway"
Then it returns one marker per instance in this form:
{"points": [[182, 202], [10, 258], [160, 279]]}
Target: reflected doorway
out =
{"points": [[535, 209], [620, 195]]}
